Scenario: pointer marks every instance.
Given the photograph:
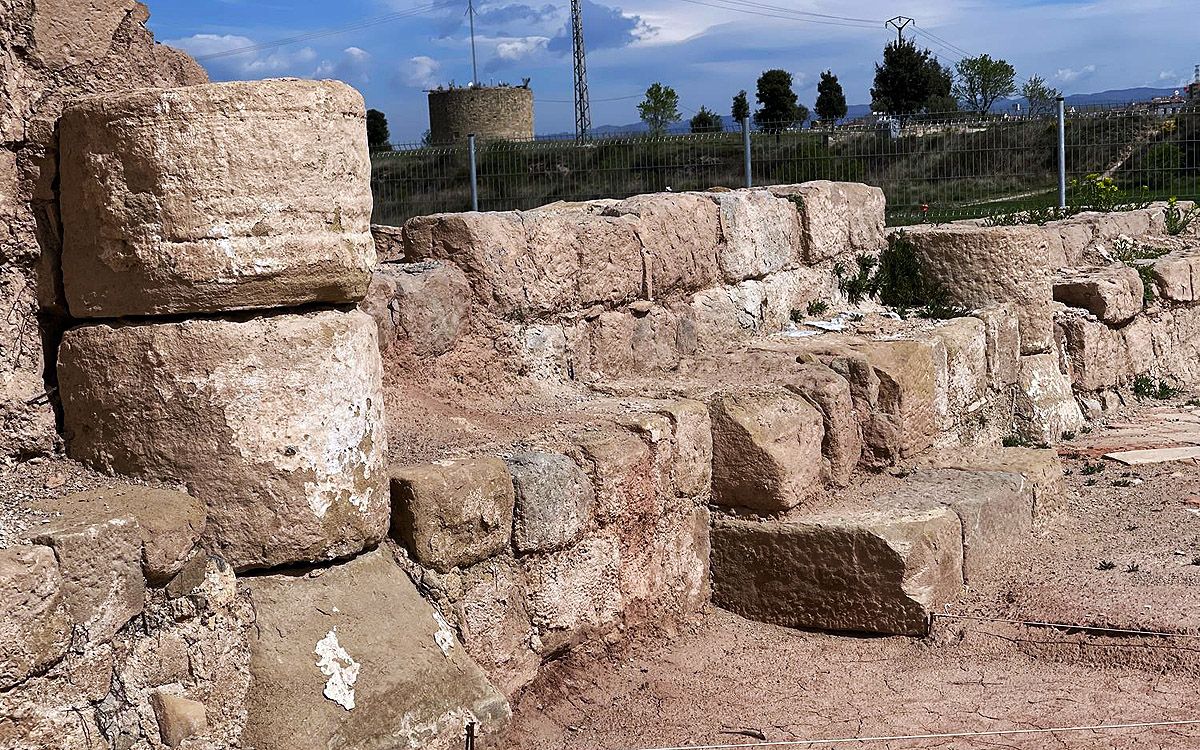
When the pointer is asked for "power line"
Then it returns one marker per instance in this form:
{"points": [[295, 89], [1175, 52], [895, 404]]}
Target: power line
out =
{"points": [[948, 45], [365, 23], [759, 9], [540, 100]]}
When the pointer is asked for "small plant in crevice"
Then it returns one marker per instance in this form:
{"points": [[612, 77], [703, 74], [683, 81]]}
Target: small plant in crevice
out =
{"points": [[1132, 567], [1146, 387], [1090, 468], [1178, 219], [1122, 483], [1090, 483], [1135, 255], [1106, 565], [1068, 435], [1192, 402], [862, 284], [1015, 441], [818, 307], [1086, 429], [797, 315]]}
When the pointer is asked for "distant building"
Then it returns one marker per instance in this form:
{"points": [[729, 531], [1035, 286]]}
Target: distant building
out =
{"points": [[490, 112]]}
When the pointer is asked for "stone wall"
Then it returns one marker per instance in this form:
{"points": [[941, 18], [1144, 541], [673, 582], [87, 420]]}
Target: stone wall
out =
{"points": [[490, 112], [51, 51]]}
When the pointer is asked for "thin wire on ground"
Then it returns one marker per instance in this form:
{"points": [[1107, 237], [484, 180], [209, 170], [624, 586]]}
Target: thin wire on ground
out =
{"points": [[1067, 626], [941, 736]]}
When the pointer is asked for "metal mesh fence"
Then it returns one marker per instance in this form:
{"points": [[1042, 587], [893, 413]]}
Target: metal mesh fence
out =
{"points": [[931, 167]]}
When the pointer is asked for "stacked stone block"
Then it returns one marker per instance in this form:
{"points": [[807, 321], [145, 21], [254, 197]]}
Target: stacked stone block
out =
{"points": [[182, 209]]}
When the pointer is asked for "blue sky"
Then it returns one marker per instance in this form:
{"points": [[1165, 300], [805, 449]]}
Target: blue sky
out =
{"points": [[707, 53]]}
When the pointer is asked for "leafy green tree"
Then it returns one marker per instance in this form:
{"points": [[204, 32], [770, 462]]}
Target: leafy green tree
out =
{"points": [[660, 108], [982, 80], [778, 109], [706, 121], [910, 80], [378, 137], [1039, 96], [831, 100], [741, 106]]}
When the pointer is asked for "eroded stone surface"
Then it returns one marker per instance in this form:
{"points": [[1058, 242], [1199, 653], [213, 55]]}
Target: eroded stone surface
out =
{"points": [[766, 449], [425, 305], [761, 234], [226, 196], [838, 218], [1040, 468], [35, 629], [1045, 404], [554, 501], [354, 657], [274, 422], [873, 571], [1112, 293], [454, 512]]}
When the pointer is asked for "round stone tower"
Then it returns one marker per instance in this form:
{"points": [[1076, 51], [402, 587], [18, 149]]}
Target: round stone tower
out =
{"points": [[490, 112]]}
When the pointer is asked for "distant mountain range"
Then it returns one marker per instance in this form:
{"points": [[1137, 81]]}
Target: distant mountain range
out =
{"points": [[854, 111]]}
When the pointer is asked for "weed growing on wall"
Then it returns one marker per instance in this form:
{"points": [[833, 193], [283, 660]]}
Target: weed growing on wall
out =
{"points": [[1178, 219]]}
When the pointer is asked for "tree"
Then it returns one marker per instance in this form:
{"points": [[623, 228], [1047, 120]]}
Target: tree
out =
{"points": [[778, 109], [660, 109], [982, 80], [378, 137], [706, 121], [910, 80], [1039, 96], [831, 100], [741, 107]]}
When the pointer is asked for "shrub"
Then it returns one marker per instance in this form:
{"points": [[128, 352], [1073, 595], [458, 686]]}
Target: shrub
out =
{"points": [[1178, 220]]}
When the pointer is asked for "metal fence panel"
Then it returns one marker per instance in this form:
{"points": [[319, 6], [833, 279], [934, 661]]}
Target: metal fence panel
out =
{"points": [[937, 167]]}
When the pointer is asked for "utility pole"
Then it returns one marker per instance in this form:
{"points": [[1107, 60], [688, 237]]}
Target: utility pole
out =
{"points": [[583, 109], [474, 65], [899, 23]]}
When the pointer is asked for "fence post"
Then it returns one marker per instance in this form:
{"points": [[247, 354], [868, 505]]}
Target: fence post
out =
{"points": [[1062, 153], [746, 150], [474, 181]]}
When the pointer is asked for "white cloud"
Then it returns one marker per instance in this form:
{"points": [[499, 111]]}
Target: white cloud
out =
{"points": [[517, 49], [420, 72], [1070, 75], [352, 67], [249, 64]]}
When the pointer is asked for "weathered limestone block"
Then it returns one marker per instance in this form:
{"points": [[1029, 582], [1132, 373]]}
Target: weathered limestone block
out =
{"points": [[100, 558], [453, 513], [838, 218], [1003, 344], [692, 446], [35, 629], [178, 717], [1177, 276], [274, 422], [575, 594], [878, 571], [621, 468], [227, 196], [170, 523], [787, 291], [355, 657], [389, 243], [995, 512], [761, 234], [842, 444], [1098, 354], [1045, 404], [981, 265], [910, 381], [623, 342], [1075, 239], [1040, 468], [766, 449], [426, 305], [495, 623], [680, 234], [965, 340], [1112, 293], [606, 251], [553, 501], [726, 315]]}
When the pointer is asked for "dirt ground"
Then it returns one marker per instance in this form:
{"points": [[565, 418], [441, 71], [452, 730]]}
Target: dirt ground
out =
{"points": [[1125, 554]]}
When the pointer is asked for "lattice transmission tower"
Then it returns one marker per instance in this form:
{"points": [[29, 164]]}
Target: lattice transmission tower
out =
{"points": [[583, 109]]}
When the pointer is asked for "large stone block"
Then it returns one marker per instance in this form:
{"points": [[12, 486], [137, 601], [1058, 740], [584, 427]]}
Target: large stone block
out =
{"points": [[1003, 344], [1040, 468], [878, 571], [575, 594], [978, 266], [35, 629], [1098, 354], [621, 467], [910, 383], [554, 501], [453, 513], [274, 422], [842, 444], [620, 343], [838, 218], [680, 235], [424, 305], [1045, 404], [1112, 293], [355, 657], [225, 196], [965, 341], [1177, 276], [766, 449], [761, 234]]}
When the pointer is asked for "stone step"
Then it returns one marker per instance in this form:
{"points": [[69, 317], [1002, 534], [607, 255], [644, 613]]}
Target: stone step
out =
{"points": [[884, 566]]}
